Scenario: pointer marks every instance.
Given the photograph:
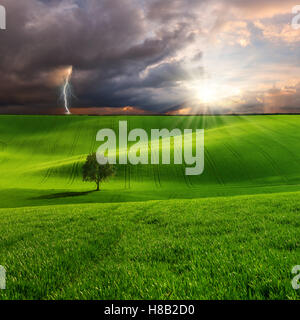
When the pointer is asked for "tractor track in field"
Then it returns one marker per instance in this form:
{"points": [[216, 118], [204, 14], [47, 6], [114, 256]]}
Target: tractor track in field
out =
{"points": [[52, 150], [261, 151], [292, 125], [180, 170], [74, 168], [127, 172], [75, 140], [40, 141], [267, 132], [213, 165], [94, 136], [129, 176], [73, 173], [269, 159], [239, 159], [69, 153], [156, 176], [274, 165], [186, 178]]}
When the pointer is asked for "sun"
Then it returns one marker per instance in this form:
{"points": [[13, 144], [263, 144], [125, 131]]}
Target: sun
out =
{"points": [[203, 91], [206, 93], [211, 92]]}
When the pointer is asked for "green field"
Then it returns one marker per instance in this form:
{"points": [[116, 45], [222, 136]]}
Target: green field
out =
{"points": [[152, 232]]}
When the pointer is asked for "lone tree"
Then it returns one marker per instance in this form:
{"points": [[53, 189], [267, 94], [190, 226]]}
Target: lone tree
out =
{"points": [[95, 172]]}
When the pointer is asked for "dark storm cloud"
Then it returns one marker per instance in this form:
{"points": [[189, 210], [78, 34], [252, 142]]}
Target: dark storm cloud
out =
{"points": [[109, 43], [124, 52]]}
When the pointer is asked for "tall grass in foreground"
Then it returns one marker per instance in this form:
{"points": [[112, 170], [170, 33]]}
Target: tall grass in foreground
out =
{"points": [[223, 248]]}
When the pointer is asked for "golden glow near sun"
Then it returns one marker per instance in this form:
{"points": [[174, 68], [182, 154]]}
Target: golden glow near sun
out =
{"points": [[206, 93], [211, 93]]}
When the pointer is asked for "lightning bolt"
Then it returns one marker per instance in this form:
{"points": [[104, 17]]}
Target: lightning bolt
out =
{"points": [[66, 89]]}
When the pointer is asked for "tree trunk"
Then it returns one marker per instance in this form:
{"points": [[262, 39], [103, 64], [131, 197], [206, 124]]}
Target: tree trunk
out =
{"points": [[98, 186]]}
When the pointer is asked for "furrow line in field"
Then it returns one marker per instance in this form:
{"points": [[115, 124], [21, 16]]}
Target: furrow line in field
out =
{"points": [[71, 176], [269, 158], [76, 172], [292, 125], [186, 178], [129, 176], [53, 148], [75, 140], [287, 150], [214, 167], [156, 176], [239, 159]]}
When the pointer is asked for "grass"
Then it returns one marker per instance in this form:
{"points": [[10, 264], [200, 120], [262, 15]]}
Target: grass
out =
{"points": [[226, 248], [152, 232], [43, 155]]}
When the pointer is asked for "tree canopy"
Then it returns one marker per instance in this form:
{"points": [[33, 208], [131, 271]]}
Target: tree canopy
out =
{"points": [[95, 172]]}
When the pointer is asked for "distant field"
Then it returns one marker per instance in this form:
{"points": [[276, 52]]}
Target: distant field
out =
{"points": [[152, 232], [41, 156]]}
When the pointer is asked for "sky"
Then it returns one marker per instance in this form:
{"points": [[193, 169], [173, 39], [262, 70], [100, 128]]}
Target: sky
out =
{"points": [[150, 56]]}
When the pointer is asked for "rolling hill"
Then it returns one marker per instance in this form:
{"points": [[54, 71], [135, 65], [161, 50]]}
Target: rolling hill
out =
{"points": [[41, 159]]}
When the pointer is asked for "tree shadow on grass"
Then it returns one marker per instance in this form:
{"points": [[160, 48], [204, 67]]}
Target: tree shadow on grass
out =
{"points": [[62, 195]]}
